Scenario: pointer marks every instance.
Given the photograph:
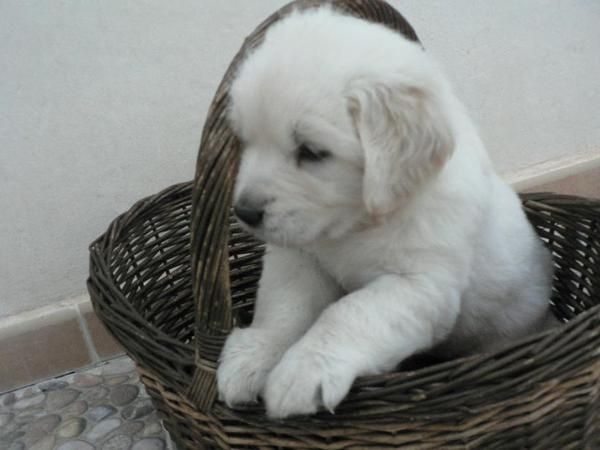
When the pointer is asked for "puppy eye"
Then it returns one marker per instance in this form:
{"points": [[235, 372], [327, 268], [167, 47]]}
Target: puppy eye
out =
{"points": [[307, 154]]}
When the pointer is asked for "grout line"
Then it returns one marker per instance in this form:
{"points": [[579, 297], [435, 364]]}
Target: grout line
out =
{"points": [[87, 337]]}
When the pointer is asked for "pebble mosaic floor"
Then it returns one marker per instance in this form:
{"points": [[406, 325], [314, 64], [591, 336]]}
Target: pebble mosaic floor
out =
{"points": [[103, 408]]}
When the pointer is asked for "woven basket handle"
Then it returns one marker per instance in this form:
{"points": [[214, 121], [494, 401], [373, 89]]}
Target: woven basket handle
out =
{"points": [[216, 167]]}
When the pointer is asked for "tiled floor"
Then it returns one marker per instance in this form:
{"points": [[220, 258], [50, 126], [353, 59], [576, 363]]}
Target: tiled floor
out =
{"points": [[103, 408]]}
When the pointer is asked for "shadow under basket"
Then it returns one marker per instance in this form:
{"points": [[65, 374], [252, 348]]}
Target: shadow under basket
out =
{"points": [[175, 273]]}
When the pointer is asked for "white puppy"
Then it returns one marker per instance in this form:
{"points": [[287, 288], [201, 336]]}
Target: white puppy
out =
{"points": [[388, 231]]}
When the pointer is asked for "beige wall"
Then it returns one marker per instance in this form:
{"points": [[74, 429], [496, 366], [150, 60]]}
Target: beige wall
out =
{"points": [[102, 102]]}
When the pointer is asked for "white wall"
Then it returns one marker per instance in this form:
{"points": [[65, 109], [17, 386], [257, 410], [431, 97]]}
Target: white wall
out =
{"points": [[102, 102]]}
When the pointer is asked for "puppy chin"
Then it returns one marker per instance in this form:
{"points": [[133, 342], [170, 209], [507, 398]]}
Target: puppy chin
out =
{"points": [[282, 233], [305, 235], [287, 238]]}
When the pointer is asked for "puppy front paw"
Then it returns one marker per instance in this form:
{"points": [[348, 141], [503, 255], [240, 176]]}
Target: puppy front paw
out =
{"points": [[247, 357], [305, 380]]}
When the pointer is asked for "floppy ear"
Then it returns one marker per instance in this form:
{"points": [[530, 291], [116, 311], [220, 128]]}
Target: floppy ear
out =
{"points": [[405, 136]]}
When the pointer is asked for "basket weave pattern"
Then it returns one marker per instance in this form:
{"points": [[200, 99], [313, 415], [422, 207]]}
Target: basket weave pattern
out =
{"points": [[171, 276], [540, 393]]}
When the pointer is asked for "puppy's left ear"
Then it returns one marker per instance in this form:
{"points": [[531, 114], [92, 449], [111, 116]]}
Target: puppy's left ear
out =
{"points": [[405, 136]]}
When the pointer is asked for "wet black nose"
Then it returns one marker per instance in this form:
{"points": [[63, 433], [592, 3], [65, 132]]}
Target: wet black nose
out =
{"points": [[250, 216]]}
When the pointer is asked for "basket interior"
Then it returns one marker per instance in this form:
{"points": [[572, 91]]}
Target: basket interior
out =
{"points": [[151, 267]]}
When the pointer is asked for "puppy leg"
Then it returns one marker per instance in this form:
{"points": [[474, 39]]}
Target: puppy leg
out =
{"points": [[292, 293], [366, 332]]}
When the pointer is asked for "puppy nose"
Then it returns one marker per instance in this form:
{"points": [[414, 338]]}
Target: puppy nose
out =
{"points": [[249, 215]]}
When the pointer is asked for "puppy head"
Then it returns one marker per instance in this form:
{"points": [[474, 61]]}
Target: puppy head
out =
{"points": [[341, 122]]}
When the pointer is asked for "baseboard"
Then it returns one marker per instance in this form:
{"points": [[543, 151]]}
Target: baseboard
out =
{"points": [[554, 170], [51, 341]]}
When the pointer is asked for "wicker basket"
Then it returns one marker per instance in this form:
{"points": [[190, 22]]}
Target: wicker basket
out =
{"points": [[182, 244]]}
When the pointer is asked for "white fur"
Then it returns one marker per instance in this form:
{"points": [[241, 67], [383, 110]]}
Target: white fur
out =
{"points": [[403, 240]]}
